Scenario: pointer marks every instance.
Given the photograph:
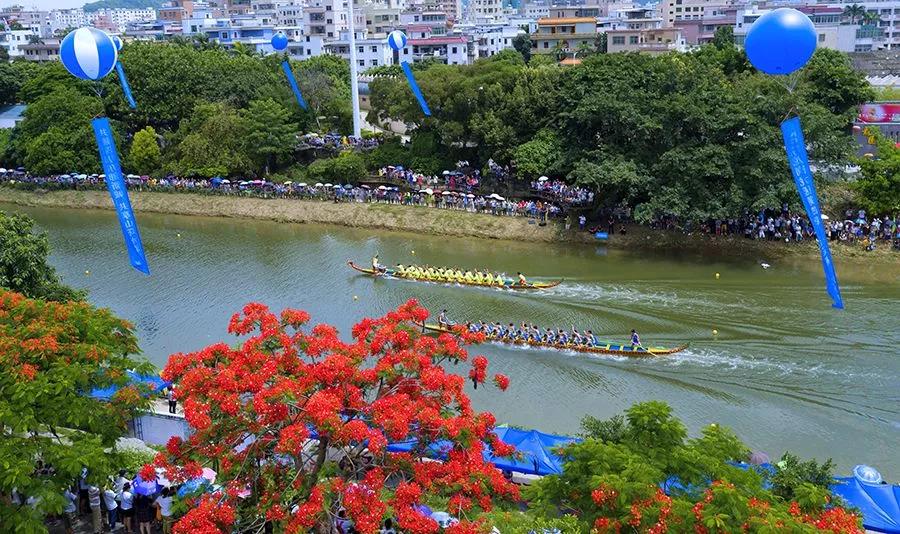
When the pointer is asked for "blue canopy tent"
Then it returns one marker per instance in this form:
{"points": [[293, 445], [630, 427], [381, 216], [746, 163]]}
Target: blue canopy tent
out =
{"points": [[534, 451], [153, 382], [878, 502]]}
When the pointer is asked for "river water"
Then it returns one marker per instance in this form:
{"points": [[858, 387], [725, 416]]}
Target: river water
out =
{"points": [[785, 371]]}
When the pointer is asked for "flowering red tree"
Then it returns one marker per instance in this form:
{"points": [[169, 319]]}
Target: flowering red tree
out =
{"points": [[297, 423], [51, 354]]}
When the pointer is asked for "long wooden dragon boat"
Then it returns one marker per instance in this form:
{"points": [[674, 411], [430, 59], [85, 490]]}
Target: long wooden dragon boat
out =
{"points": [[508, 284], [604, 348]]}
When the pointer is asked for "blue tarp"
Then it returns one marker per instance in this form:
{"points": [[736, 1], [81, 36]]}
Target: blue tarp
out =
{"points": [[879, 503], [535, 451], [154, 382]]}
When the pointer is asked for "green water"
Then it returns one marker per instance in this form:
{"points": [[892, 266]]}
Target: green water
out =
{"points": [[786, 371]]}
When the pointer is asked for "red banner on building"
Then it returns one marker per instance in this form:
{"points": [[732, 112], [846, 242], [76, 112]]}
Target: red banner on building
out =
{"points": [[880, 112]]}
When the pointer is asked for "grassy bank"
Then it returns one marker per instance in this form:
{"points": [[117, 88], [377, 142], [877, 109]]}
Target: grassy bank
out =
{"points": [[453, 223]]}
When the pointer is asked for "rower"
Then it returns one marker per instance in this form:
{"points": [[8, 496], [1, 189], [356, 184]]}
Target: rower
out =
{"points": [[479, 278], [592, 339], [635, 340], [472, 327], [468, 277], [497, 330], [522, 281], [489, 279], [484, 328], [561, 337], [377, 267], [399, 270], [548, 336], [442, 319]]}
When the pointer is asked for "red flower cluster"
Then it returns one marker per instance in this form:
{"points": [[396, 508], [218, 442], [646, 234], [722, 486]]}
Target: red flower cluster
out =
{"points": [[270, 409]]}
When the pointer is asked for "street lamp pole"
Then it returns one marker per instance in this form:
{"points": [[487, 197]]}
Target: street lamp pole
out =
{"points": [[354, 75]]}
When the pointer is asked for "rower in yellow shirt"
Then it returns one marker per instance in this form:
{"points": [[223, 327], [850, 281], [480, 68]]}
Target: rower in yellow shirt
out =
{"points": [[468, 277], [479, 278], [489, 279]]}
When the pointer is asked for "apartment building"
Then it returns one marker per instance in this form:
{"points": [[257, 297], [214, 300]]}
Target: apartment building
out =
{"points": [[884, 34], [452, 50], [675, 10], [485, 9], [381, 19], [433, 22], [653, 41], [35, 20], [13, 40], [46, 50], [370, 51], [176, 11], [565, 34], [327, 18]]}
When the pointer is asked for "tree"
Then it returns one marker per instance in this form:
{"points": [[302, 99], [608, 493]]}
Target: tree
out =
{"points": [[209, 143], [269, 135], [144, 156], [724, 37], [854, 11], [871, 18], [878, 187], [53, 353], [268, 410], [23, 261], [347, 167], [522, 44], [645, 476], [538, 156]]}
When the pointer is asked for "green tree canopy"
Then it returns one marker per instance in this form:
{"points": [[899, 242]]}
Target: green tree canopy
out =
{"points": [[23, 261], [144, 156], [268, 133]]}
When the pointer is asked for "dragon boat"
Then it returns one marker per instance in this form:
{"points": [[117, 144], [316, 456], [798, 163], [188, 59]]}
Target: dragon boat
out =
{"points": [[507, 283], [600, 348]]}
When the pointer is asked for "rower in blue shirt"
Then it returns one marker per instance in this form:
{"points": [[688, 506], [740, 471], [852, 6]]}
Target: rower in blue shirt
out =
{"points": [[635, 340], [592, 339]]}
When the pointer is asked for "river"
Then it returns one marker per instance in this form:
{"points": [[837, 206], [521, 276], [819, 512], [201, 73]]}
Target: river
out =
{"points": [[785, 371]]}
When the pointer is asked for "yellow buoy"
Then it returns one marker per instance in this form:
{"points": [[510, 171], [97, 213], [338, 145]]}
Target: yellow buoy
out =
{"points": [[414, 252], [179, 235], [717, 276], [87, 273], [355, 297], [715, 332]]}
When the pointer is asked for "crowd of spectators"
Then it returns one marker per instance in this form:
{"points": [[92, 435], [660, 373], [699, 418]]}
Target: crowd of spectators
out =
{"points": [[563, 192], [337, 142], [462, 179]]}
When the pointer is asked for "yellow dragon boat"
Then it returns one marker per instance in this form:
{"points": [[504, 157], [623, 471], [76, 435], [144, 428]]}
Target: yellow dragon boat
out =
{"points": [[507, 283], [602, 348]]}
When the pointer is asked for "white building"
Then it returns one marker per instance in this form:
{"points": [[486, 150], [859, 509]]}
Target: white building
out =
{"points": [[488, 39], [11, 40], [38, 21], [883, 35], [60, 19], [370, 51], [452, 50], [328, 18], [487, 10]]}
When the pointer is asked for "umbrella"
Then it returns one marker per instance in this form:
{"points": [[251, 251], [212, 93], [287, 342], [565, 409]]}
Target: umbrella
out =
{"points": [[428, 191], [824, 217], [543, 179], [244, 182], [445, 193], [328, 185], [2, 169], [302, 184], [226, 181], [209, 474], [424, 510], [470, 195], [102, 176], [759, 458], [318, 184], [289, 183], [382, 188], [144, 487], [446, 173], [348, 186], [364, 186]]}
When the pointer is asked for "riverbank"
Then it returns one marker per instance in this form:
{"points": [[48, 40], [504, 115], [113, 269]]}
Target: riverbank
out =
{"points": [[441, 222]]}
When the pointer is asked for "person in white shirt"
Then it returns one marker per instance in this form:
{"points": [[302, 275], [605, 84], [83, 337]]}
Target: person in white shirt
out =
{"points": [[164, 503], [94, 503], [120, 481], [112, 507], [126, 505], [71, 507]]}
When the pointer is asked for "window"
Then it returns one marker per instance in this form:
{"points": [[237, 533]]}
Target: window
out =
{"points": [[360, 49], [618, 39], [546, 44], [374, 62], [362, 62], [821, 37], [632, 39], [454, 49], [330, 34], [374, 49]]}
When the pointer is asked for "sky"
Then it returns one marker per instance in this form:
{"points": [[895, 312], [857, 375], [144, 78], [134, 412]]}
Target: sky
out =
{"points": [[45, 4]]}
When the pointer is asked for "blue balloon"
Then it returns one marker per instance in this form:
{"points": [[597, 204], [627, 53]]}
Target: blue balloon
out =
{"points": [[117, 41], [279, 41], [397, 40], [781, 41], [88, 53]]}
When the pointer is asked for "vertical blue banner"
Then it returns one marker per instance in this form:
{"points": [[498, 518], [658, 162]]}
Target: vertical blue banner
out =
{"points": [[125, 87], [795, 146], [115, 182], [286, 66], [415, 88]]}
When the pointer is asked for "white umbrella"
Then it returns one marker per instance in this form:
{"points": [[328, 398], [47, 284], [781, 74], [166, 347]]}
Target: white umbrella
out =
{"points": [[543, 179], [445, 193], [382, 187], [302, 184], [328, 185], [2, 169], [318, 184], [288, 183], [102, 176], [226, 181], [470, 195], [428, 191], [446, 173], [824, 217]]}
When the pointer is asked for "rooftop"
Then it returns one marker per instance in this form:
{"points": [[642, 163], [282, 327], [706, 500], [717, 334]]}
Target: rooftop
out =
{"points": [[568, 20], [438, 41]]}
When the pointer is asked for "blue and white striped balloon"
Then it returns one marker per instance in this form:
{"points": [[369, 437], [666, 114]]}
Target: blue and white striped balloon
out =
{"points": [[117, 41], [88, 53], [397, 40]]}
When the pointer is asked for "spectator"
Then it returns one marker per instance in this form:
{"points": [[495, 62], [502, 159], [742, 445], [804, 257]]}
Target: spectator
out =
{"points": [[112, 507], [69, 511], [96, 513], [126, 506], [164, 503]]}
